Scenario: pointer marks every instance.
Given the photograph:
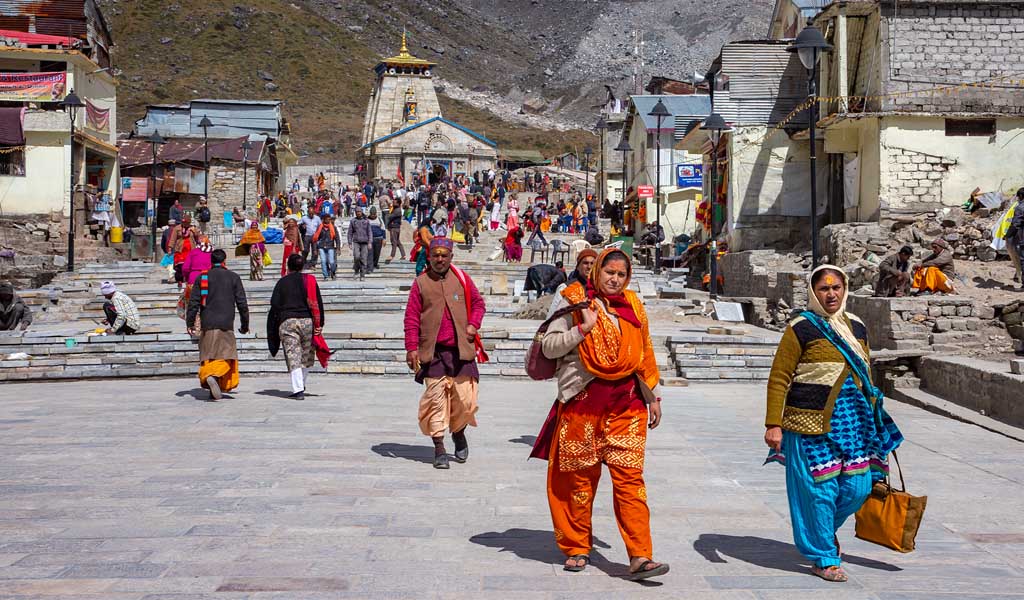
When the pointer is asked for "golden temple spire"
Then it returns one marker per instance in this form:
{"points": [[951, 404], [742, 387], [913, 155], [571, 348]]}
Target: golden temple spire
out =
{"points": [[404, 52]]}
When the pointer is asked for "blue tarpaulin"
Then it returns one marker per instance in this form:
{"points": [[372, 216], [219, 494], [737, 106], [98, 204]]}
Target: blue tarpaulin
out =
{"points": [[273, 236]]}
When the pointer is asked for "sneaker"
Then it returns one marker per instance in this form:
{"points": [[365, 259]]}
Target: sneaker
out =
{"points": [[300, 395], [214, 385]]}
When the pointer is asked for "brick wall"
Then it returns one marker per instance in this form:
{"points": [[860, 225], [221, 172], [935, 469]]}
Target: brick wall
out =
{"points": [[953, 42], [915, 178]]}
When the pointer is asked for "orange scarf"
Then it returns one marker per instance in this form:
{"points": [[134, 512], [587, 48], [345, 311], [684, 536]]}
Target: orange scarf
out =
{"points": [[611, 351], [251, 236]]}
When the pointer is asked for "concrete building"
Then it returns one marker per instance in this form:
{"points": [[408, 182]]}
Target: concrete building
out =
{"points": [[38, 157], [761, 200], [928, 104], [642, 132], [406, 138]]}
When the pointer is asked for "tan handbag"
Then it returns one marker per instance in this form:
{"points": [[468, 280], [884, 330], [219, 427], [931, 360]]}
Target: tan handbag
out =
{"points": [[891, 517]]}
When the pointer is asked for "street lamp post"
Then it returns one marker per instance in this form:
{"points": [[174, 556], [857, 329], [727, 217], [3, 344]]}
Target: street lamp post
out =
{"points": [[246, 146], [587, 152], [714, 124], [602, 127], [206, 123], [809, 46], [155, 141], [659, 112], [72, 103], [623, 147]]}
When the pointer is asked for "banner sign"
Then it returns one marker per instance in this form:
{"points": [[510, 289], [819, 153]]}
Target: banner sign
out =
{"points": [[645, 191], [40, 87], [689, 176], [134, 189]]}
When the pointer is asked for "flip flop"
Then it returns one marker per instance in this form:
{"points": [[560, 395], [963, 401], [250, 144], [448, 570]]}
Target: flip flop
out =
{"points": [[835, 574], [577, 568], [644, 573]]}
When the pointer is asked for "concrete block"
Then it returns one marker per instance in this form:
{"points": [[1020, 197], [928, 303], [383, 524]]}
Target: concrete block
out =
{"points": [[942, 325], [963, 311], [1017, 366]]}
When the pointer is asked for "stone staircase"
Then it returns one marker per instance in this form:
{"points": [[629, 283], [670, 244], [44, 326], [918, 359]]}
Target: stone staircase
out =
{"points": [[73, 305], [723, 355]]}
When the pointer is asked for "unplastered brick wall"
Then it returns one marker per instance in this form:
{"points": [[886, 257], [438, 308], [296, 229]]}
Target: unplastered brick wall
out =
{"points": [[915, 178], [951, 42]]}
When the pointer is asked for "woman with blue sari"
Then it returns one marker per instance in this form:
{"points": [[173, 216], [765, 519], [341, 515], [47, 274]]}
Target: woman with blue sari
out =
{"points": [[825, 421]]}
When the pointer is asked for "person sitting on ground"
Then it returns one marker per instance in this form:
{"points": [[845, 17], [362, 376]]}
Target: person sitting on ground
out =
{"points": [[654, 235], [593, 236], [121, 313], [14, 312], [894, 275], [936, 272]]}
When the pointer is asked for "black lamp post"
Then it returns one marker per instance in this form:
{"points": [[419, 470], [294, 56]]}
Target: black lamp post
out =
{"points": [[206, 124], [809, 46], [714, 124], [587, 152], [602, 127], [71, 103], [246, 146], [155, 141], [623, 147], [660, 113]]}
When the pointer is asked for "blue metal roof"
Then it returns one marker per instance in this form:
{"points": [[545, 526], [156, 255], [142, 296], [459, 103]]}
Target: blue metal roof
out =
{"points": [[696, 106], [443, 120]]}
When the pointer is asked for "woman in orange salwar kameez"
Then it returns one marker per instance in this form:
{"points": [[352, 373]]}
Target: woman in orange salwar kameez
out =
{"points": [[608, 397]]}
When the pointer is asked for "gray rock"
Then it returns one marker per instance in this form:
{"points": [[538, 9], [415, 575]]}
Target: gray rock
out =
{"points": [[270, 86], [264, 75], [355, 28]]}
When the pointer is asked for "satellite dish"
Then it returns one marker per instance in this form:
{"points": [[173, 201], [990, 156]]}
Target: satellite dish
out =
{"points": [[427, 73], [392, 71]]}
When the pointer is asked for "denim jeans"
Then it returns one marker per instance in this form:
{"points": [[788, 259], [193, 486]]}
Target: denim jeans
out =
{"points": [[327, 264]]}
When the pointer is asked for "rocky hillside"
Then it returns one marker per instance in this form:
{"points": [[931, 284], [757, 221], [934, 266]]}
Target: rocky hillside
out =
{"points": [[494, 56]]}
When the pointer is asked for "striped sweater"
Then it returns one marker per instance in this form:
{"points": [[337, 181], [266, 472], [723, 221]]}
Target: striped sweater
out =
{"points": [[806, 376]]}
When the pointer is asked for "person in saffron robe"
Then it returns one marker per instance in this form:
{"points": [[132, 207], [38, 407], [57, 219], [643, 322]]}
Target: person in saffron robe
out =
{"points": [[935, 273], [442, 317], [608, 397], [215, 296], [254, 246]]}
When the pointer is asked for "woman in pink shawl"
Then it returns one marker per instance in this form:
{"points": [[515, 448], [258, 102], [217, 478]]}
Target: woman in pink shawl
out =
{"points": [[512, 222]]}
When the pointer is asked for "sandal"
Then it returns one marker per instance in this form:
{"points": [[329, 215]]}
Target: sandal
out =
{"points": [[834, 573], [644, 573], [577, 568]]}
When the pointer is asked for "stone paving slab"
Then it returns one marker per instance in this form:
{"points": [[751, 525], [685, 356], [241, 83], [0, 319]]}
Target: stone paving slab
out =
{"points": [[139, 490]]}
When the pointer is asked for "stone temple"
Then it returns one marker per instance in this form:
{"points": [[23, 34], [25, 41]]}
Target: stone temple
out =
{"points": [[405, 137]]}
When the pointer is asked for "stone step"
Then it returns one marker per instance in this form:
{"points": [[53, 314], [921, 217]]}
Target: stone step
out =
{"points": [[724, 374]]}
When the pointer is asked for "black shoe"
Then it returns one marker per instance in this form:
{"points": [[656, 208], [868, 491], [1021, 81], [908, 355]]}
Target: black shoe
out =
{"points": [[298, 395], [441, 462], [461, 456]]}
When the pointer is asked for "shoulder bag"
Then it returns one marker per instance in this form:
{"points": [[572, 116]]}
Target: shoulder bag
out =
{"points": [[538, 366], [891, 517]]}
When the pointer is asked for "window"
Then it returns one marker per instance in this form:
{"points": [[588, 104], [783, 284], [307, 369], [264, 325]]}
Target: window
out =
{"points": [[970, 127], [12, 160]]}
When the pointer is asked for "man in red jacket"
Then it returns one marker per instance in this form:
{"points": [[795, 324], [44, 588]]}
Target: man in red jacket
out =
{"points": [[442, 318]]}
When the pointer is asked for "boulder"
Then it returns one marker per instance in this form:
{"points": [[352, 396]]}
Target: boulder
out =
{"points": [[534, 105]]}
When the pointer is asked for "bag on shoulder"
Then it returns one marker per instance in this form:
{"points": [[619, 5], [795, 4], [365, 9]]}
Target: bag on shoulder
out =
{"points": [[538, 366], [891, 517]]}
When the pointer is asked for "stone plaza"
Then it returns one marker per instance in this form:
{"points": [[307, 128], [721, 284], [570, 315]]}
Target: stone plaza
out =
{"points": [[140, 489]]}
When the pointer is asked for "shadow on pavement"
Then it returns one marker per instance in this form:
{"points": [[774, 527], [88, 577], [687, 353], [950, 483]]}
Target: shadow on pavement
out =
{"points": [[281, 394], [200, 394], [423, 454], [528, 440], [539, 545], [992, 284], [770, 554]]}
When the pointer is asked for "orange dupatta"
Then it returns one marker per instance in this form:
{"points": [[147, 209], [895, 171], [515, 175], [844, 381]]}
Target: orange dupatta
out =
{"points": [[613, 352]]}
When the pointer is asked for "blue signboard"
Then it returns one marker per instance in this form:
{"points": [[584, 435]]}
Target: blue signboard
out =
{"points": [[689, 176]]}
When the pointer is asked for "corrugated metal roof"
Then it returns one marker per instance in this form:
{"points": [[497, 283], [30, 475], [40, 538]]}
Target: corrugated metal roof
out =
{"points": [[231, 118], [138, 151], [697, 106], [765, 83], [69, 9]]}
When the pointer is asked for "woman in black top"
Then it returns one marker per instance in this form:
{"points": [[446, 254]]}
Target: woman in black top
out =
{"points": [[291, 317]]}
